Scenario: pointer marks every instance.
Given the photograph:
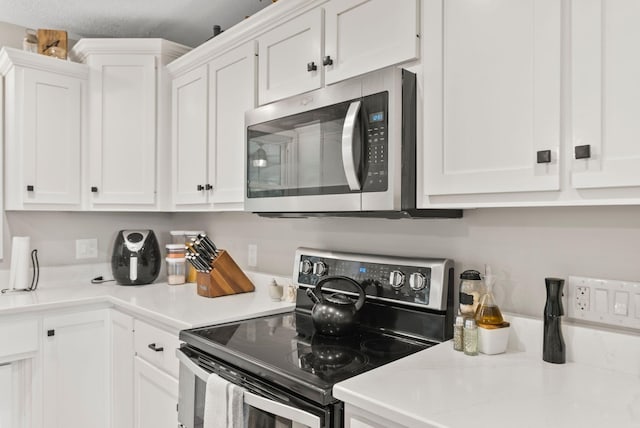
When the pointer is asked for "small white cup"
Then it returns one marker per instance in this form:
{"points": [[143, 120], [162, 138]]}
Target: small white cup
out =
{"points": [[275, 291], [493, 340]]}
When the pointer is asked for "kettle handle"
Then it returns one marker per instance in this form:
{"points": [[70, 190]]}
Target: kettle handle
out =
{"points": [[361, 294]]}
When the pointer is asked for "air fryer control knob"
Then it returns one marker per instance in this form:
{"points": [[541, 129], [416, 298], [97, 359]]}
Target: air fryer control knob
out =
{"points": [[396, 279], [417, 281], [306, 267], [319, 268]]}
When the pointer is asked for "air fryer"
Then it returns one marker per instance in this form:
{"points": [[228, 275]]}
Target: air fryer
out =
{"points": [[136, 257]]}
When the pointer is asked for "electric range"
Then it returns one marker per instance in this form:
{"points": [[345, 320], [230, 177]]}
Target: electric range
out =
{"points": [[288, 370]]}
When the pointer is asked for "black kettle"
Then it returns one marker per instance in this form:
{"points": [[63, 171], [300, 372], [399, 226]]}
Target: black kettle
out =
{"points": [[335, 314]]}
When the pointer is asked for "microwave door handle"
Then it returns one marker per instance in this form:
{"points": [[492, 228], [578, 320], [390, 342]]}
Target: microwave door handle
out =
{"points": [[348, 136]]}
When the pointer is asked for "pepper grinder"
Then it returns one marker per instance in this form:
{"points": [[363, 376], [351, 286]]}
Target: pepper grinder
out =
{"points": [[553, 349]]}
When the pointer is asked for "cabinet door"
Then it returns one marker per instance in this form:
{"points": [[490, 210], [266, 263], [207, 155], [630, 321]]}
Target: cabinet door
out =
{"points": [[123, 129], [7, 417], [122, 355], [367, 35], [491, 96], [189, 148], [156, 397], [51, 126], [290, 58], [232, 91], [76, 370], [605, 93]]}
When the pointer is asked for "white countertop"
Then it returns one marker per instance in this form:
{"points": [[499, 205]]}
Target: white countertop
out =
{"points": [[440, 387], [175, 306]]}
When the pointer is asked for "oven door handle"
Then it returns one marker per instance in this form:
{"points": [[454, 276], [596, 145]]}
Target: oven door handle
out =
{"points": [[198, 371], [297, 416], [348, 137]]}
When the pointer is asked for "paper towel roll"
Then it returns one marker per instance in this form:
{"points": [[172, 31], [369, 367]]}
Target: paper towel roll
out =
{"points": [[19, 274]]}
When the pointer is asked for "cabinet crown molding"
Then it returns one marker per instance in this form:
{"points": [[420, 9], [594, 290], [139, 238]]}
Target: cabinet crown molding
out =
{"points": [[10, 58], [166, 49], [243, 32]]}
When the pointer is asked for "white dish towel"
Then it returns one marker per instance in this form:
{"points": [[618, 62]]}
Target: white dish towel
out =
{"points": [[223, 404]]}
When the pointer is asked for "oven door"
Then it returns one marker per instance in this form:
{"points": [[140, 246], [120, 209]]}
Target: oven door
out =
{"points": [[261, 410]]}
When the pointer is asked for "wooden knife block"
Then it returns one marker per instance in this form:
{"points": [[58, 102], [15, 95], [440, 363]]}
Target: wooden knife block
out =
{"points": [[225, 278]]}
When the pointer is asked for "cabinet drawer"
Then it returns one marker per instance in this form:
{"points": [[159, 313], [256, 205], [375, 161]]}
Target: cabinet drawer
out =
{"points": [[157, 347], [18, 337]]}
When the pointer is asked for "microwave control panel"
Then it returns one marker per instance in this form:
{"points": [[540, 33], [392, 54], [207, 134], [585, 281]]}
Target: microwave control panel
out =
{"points": [[376, 143]]}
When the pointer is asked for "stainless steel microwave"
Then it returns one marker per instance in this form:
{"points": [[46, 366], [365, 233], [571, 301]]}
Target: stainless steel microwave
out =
{"points": [[345, 149]]}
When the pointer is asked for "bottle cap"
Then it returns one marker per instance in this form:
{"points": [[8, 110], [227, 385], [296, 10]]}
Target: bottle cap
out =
{"points": [[470, 274], [469, 323]]}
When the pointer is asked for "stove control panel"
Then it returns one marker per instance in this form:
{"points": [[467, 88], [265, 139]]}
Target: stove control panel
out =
{"points": [[417, 282]]}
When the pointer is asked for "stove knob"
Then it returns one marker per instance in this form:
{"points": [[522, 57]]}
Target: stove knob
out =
{"points": [[417, 281], [396, 279], [319, 268], [306, 267]]}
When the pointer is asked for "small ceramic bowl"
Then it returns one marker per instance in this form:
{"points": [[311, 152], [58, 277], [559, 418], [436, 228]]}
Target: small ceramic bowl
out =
{"points": [[493, 339]]}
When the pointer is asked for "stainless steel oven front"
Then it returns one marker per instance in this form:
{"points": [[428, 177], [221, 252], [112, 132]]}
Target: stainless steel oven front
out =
{"points": [[265, 405], [338, 148]]}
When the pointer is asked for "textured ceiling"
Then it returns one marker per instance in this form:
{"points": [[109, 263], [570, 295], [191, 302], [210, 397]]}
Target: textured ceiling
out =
{"points": [[188, 22]]}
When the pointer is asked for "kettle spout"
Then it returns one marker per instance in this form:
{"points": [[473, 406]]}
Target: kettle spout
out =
{"points": [[312, 296]]}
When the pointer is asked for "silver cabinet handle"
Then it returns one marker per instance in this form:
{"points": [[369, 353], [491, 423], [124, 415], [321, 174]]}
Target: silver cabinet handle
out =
{"points": [[348, 136]]}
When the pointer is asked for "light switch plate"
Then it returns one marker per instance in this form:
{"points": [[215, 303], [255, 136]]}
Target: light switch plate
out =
{"points": [[604, 301]]}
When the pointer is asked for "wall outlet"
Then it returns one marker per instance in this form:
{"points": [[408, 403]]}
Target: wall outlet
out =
{"points": [[581, 300], [604, 301], [87, 248], [252, 259]]}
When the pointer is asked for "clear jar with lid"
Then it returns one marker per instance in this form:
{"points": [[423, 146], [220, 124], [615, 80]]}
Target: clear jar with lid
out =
{"points": [[471, 289], [176, 270]]}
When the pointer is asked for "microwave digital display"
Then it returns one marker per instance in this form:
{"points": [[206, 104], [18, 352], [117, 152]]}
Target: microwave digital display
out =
{"points": [[376, 117]]}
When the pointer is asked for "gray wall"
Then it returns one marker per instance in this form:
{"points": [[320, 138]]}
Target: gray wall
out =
{"points": [[523, 245]]}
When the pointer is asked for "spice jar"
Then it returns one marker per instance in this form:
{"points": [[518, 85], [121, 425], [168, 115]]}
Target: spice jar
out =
{"points": [[471, 288], [470, 337], [458, 343]]}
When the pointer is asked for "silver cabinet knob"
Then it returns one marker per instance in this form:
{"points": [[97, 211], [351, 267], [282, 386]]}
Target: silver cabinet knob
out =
{"points": [[396, 279], [417, 281]]}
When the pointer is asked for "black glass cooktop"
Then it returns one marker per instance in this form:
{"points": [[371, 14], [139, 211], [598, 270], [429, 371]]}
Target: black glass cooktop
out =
{"points": [[284, 349]]}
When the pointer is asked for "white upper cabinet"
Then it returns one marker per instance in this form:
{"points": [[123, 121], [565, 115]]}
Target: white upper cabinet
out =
{"points": [[189, 147], [367, 35], [232, 91], [333, 42], [43, 130], [128, 121], [291, 58], [122, 129], [491, 96], [605, 96], [209, 103]]}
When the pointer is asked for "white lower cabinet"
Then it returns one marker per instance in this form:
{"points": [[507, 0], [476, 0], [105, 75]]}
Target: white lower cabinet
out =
{"points": [[76, 373], [355, 417], [18, 350], [156, 397], [144, 389], [122, 354], [7, 417]]}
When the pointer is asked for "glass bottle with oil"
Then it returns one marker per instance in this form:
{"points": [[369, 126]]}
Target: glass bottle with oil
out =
{"points": [[488, 313]]}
